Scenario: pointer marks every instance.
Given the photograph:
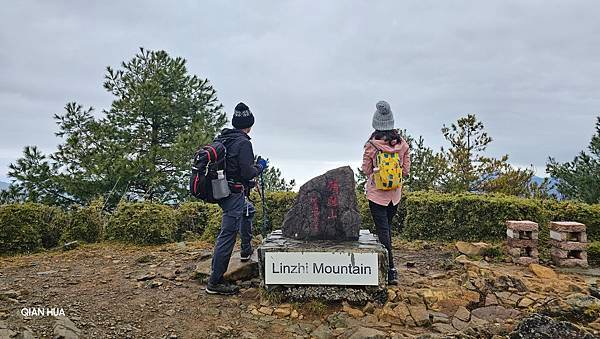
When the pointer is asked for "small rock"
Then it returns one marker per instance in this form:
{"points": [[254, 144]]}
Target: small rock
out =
{"points": [[367, 333], [266, 310], [594, 290], [438, 317], [419, 314], [47, 272], [391, 295], [12, 294], [251, 293], [238, 270], [582, 304], [70, 245], [471, 249], [26, 334], [369, 308], [7, 333], [525, 302], [147, 276], [145, 258], [321, 332], [490, 300], [155, 284], [463, 314], [459, 324], [494, 313], [282, 312], [294, 314], [388, 315], [444, 328], [338, 319], [462, 259], [541, 326], [355, 313], [476, 322], [543, 272], [64, 328]]}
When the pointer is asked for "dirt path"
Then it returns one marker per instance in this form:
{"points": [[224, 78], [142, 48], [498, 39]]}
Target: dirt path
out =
{"points": [[115, 291]]}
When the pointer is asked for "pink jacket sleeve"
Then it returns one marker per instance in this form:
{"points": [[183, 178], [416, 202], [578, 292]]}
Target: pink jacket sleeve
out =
{"points": [[406, 162], [368, 156]]}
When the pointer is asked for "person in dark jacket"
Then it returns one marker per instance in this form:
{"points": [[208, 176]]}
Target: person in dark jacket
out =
{"points": [[238, 211]]}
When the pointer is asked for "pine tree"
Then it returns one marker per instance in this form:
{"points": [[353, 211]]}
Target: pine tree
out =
{"points": [[580, 178], [427, 167], [470, 170], [140, 148], [275, 182]]}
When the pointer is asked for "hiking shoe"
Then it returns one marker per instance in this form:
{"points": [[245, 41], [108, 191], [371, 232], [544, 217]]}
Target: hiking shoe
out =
{"points": [[246, 256], [223, 289], [392, 277]]}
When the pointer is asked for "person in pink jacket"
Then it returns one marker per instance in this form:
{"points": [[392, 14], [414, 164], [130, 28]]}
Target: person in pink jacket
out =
{"points": [[384, 204]]}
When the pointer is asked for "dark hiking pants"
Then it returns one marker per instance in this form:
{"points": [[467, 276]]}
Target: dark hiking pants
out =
{"points": [[237, 217], [382, 217]]}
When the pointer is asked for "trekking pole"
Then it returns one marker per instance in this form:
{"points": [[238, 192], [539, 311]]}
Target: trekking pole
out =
{"points": [[265, 224]]}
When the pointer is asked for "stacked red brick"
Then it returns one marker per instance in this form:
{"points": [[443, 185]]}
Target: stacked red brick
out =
{"points": [[522, 241], [568, 241]]}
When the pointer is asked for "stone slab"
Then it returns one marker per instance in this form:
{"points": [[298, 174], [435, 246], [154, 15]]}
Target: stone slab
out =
{"points": [[510, 233], [567, 226], [522, 225], [568, 245], [522, 243], [570, 262], [525, 261], [558, 253], [516, 252], [571, 236], [237, 270], [495, 313]]}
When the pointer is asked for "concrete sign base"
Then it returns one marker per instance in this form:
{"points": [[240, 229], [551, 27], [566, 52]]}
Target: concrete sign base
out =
{"points": [[297, 264]]}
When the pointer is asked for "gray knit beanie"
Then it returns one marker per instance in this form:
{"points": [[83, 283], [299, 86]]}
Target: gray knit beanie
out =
{"points": [[383, 119]]}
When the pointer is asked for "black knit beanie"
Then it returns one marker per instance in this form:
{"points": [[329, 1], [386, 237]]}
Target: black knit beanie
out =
{"points": [[242, 117]]}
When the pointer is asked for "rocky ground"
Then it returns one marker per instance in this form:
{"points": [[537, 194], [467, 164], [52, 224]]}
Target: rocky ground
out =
{"points": [[115, 291]]}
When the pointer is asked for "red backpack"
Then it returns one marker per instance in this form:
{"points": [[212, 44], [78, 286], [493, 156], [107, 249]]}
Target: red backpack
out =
{"points": [[207, 161]]}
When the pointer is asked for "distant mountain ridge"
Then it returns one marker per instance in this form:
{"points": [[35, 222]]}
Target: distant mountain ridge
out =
{"points": [[551, 184]]}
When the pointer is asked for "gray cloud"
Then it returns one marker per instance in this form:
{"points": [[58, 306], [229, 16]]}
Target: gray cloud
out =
{"points": [[312, 71]]}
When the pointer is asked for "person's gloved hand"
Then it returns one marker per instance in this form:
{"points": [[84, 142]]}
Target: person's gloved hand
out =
{"points": [[262, 164]]}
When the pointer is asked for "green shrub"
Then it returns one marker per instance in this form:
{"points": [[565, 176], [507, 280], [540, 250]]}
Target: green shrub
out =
{"points": [[86, 223], [593, 253], [212, 223], [421, 215], [29, 227], [437, 216], [142, 223], [191, 219], [278, 204]]}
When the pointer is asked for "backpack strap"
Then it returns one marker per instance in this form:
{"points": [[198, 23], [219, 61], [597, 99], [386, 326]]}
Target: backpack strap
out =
{"points": [[378, 150], [375, 146]]}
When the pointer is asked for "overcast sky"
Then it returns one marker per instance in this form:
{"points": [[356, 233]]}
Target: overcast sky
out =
{"points": [[312, 71]]}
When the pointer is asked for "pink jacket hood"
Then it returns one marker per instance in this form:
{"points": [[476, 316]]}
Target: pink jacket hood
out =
{"points": [[385, 146]]}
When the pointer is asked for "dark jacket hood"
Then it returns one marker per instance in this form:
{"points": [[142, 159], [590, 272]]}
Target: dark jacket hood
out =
{"points": [[231, 133]]}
